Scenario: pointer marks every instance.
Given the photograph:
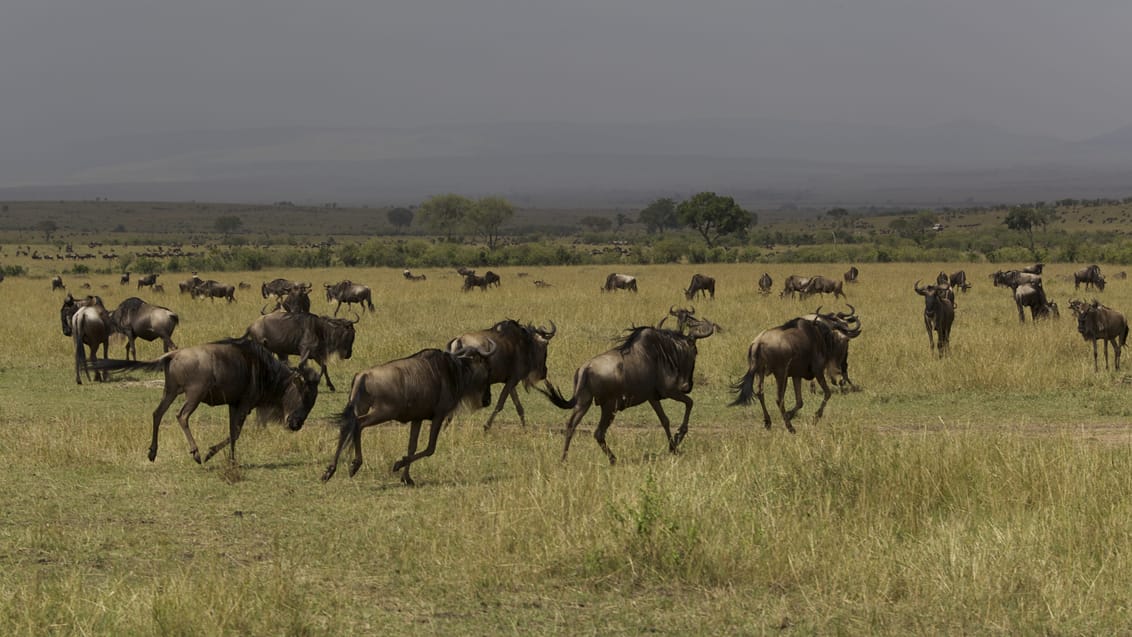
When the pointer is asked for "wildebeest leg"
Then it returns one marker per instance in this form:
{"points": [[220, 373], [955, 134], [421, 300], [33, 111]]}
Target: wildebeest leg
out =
{"points": [[159, 413], [1096, 366], [237, 414], [780, 382], [602, 425], [105, 375], [762, 400], [508, 391], [167, 343], [336, 307], [572, 424], [413, 456], [931, 339], [825, 398], [1116, 353], [655, 404], [187, 409]]}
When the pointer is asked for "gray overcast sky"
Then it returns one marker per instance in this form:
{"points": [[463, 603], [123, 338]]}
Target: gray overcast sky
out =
{"points": [[92, 67]]}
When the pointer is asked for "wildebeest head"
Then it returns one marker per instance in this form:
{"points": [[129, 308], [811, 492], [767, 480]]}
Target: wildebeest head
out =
{"points": [[71, 305], [932, 293], [299, 396], [474, 362]]}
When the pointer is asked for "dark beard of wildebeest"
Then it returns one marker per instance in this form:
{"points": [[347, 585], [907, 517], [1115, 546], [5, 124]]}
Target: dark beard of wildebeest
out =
{"points": [[214, 290], [939, 314], [648, 365], [799, 349], [148, 280], [519, 356], [822, 285], [1098, 322], [700, 284], [137, 319], [306, 335], [428, 385], [617, 281], [765, 283], [794, 284], [1033, 296], [88, 324], [236, 372], [1090, 276], [349, 293]]}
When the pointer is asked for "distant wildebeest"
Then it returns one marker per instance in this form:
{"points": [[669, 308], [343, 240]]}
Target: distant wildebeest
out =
{"points": [[1034, 269], [1097, 322], [124, 279], [850, 275], [619, 282], [1090, 276], [823, 285], [413, 277], [349, 293], [186, 286], [148, 280], [281, 287], [1033, 296], [539, 283], [700, 284], [213, 290], [800, 348], [297, 300], [1013, 278], [158, 288], [959, 280], [939, 314], [491, 278], [243, 285], [237, 372], [648, 365], [765, 283], [519, 356], [87, 322], [794, 284], [464, 271], [428, 385], [137, 319], [57, 283], [474, 281], [1119, 276], [308, 336]]}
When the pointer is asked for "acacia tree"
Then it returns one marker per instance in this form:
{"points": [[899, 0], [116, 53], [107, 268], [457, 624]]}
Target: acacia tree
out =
{"points": [[444, 214], [1024, 218], [486, 218], [48, 228], [659, 215], [400, 217], [714, 216]]}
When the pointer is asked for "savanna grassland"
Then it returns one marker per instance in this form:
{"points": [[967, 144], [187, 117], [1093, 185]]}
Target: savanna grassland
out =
{"points": [[987, 492]]}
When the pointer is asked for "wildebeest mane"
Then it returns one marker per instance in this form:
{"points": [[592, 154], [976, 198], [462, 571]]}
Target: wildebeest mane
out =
{"points": [[670, 346]]}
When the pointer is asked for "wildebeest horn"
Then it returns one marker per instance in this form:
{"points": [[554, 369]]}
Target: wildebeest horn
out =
{"points": [[698, 330], [261, 310], [488, 351], [852, 312], [548, 334], [916, 286]]}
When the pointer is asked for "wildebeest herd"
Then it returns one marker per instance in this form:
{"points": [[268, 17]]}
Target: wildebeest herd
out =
{"points": [[648, 364]]}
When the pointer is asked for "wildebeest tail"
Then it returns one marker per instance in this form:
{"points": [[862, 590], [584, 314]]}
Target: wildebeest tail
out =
{"points": [[119, 365], [746, 385], [556, 397]]}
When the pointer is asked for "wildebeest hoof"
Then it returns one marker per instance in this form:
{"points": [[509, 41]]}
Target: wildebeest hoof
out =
{"points": [[407, 481], [329, 472], [152, 455], [612, 459], [400, 464], [196, 455], [354, 466]]}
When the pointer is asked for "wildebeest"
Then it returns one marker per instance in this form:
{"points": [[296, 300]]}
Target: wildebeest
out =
{"points": [[1034, 269], [237, 372], [491, 278], [297, 300], [474, 281], [87, 322], [1098, 322], [1090, 276], [281, 287], [700, 284], [794, 284], [186, 286], [1033, 296], [306, 335], [148, 280], [823, 285], [413, 277], [838, 364], [765, 283], [349, 293], [158, 288], [850, 275], [243, 285], [648, 365], [428, 385], [617, 281], [959, 280], [519, 355], [939, 314], [1013, 278], [124, 279], [57, 283], [137, 319], [800, 348], [212, 290], [539, 283], [464, 271]]}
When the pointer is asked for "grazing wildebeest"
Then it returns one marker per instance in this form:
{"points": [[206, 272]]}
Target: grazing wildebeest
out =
{"points": [[349, 293], [1090, 276], [281, 287], [700, 284], [214, 290], [798, 349], [306, 335], [137, 319], [57, 283], [765, 283], [822, 285], [619, 282], [464, 271], [187, 286], [939, 314], [850, 275], [794, 284], [87, 322], [648, 365], [125, 278], [542, 284], [519, 356], [959, 280], [474, 281], [413, 277], [491, 278], [148, 280], [237, 372], [1097, 322], [1033, 296], [428, 385], [1034, 269]]}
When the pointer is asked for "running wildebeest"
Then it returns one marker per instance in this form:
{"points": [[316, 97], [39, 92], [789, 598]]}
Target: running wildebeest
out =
{"points": [[148, 280], [349, 293], [137, 319], [213, 290], [1090, 276], [700, 284], [1033, 296], [428, 385], [413, 277], [822, 285], [798, 349], [1097, 322], [306, 335], [87, 322], [519, 355], [939, 314], [57, 283], [474, 281], [850, 275], [765, 283], [794, 284], [237, 372], [619, 282], [838, 364], [648, 365]]}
